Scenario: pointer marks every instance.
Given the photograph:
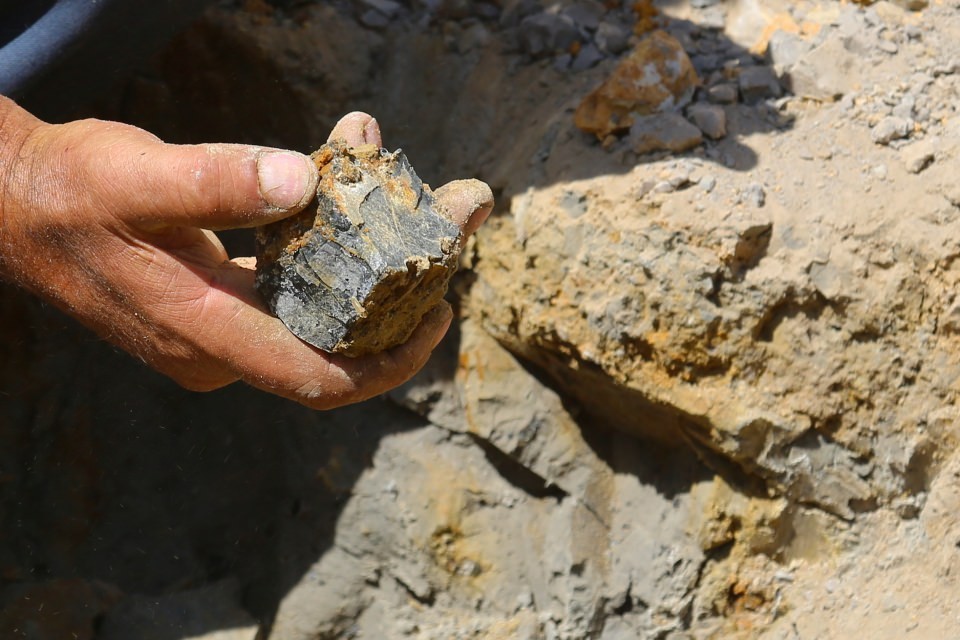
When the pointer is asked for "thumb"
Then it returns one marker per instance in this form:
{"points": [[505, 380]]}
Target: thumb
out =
{"points": [[219, 186], [146, 182]]}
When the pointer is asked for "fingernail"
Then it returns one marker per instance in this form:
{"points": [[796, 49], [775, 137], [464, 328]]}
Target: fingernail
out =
{"points": [[286, 179], [371, 132]]}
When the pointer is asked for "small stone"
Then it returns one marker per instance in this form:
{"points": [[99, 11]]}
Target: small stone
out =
{"points": [[826, 72], [905, 109], [712, 18], [887, 46], [786, 49], [705, 63], [889, 129], [711, 119], [919, 156], [612, 37], [357, 274], [547, 33], [514, 12], [754, 194], [389, 8], [725, 93], [588, 56], [708, 183], [757, 83], [663, 132], [586, 13], [657, 76]]}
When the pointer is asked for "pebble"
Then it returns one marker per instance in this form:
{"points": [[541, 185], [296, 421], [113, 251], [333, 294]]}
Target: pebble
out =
{"points": [[588, 56], [919, 156], [888, 46], [905, 109], [754, 194], [663, 132], [786, 49], [889, 129], [586, 13], [546, 33], [711, 119], [757, 83], [725, 93], [708, 183], [514, 12], [714, 18], [389, 8], [705, 63], [612, 37]]}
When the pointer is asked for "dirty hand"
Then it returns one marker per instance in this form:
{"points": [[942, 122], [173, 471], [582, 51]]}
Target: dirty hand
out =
{"points": [[113, 226]]}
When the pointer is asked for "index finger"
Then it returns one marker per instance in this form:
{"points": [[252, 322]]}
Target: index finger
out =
{"points": [[275, 360]]}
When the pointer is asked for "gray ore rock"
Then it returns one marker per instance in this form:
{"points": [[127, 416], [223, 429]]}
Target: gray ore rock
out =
{"points": [[358, 274]]}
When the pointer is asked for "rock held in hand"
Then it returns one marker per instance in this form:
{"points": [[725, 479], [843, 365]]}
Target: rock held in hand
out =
{"points": [[357, 274]]}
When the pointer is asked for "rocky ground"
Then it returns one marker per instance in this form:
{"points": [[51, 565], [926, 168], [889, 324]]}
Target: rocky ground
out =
{"points": [[705, 376]]}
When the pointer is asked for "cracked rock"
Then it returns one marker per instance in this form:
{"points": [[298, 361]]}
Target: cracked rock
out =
{"points": [[358, 274]]}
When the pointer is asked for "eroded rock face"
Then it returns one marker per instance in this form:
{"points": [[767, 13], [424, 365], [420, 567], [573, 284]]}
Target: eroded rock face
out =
{"points": [[358, 274]]}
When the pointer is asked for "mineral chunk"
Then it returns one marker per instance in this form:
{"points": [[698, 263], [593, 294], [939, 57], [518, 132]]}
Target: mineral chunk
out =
{"points": [[656, 77], [357, 274]]}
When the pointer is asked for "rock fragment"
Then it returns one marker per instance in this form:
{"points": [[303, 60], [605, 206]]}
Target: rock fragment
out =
{"points": [[546, 33], [723, 93], [379, 13], [889, 129], [757, 83], [663, 132], [656, 77], [918, 157], [826, 72], [612, 37], [754, 194], [587, 57], [711, 119], [358, 274]]}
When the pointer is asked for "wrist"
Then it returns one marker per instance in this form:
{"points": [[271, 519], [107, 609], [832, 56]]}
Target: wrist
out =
{"points": [[17, 126]]}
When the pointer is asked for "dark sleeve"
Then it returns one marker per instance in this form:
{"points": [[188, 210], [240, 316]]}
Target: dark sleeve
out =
{"points": [[57, 54]]}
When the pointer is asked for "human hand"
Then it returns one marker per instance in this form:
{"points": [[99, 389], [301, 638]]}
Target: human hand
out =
{"points": [[114, 227]]}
